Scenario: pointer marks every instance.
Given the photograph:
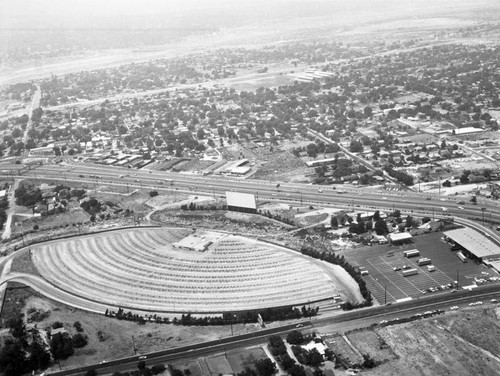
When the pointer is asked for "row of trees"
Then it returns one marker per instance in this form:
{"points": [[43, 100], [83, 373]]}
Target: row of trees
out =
{"points": [[268, 314], [332, 258]]}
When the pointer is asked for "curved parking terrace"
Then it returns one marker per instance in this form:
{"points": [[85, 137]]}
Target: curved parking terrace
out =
{"points": [[174, 270]]}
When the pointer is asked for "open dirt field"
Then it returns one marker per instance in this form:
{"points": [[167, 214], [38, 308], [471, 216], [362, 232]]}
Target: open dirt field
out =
{"points": [[219, 219], [369, 342], [459, 343]]}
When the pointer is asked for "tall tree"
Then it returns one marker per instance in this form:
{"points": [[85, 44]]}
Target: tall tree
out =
{"points": [[12, 358], [381, 227], [266, 367]]}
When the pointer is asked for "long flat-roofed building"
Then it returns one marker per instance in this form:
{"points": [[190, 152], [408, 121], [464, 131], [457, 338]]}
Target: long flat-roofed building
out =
{"points": [[474, 243], [399, 237]]}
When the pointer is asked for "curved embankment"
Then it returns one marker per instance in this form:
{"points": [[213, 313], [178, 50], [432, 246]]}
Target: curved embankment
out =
{"points": [[174, 270]]}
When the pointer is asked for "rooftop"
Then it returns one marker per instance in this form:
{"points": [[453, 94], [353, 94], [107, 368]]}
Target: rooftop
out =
{"points": [[474, 242], [399, 236]]}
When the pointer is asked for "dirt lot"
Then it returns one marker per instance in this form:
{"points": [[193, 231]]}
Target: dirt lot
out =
{"points": [[282, 166], [220, 219], [369, 342], [457, 343]]}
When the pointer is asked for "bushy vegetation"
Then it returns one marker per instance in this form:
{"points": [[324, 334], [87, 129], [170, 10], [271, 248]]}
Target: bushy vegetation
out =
{"points": [[92, 206], [310, 358], [17, 356], [268, 314], [401, 176], [27, 195], [332, 258]]}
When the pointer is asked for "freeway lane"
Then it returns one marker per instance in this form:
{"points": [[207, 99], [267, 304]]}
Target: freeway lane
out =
{"points": [[359, 318], [366, 199], [217, 185]]}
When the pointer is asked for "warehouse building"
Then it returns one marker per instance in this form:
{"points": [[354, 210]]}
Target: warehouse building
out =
{"points": [[474, 245]]}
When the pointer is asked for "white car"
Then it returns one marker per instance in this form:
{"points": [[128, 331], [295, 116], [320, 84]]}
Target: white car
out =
{"points": [[454, 308], [494, 301]]}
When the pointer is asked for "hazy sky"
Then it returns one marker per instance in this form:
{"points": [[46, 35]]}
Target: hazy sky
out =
{"points": [[136, 13], [83, 13]]}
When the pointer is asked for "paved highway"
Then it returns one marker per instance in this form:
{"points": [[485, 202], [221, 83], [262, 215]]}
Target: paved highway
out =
{"points": [[363, 198], [353, 319]]}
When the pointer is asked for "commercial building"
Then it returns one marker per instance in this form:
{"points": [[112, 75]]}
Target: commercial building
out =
{"points": [[242, 202], [474, 244], [400, 237]]}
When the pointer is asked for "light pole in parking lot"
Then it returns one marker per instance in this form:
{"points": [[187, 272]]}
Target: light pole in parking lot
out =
{"points": [[233, 316]]}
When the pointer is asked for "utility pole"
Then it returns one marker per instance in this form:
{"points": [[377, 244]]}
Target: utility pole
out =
{"points": [[385, 294], [133, 344]]}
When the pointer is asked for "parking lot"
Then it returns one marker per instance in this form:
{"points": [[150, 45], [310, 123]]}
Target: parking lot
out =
{"points": [[388, 285]]}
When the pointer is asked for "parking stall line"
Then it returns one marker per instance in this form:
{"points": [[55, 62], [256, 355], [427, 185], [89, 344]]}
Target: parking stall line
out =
{"points": [[386, 278], [382, 289]]}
